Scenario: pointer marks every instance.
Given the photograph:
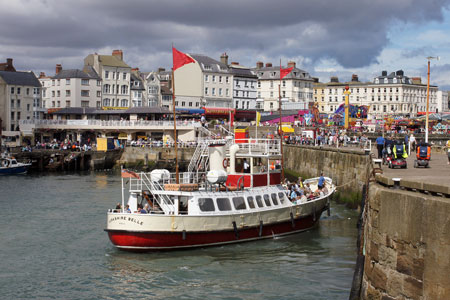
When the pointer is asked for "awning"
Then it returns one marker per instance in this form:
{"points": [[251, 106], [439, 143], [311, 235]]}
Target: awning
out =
{"points": [[190, 111], [219, 110]]}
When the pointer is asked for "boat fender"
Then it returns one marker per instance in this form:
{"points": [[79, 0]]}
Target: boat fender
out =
{"points": [[236, 233], [184, 235], [260, 227], [292, 219], [225, 163], [329, 207]]}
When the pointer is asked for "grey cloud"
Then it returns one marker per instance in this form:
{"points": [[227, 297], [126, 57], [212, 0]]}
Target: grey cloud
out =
{"points": [[352, 32]]}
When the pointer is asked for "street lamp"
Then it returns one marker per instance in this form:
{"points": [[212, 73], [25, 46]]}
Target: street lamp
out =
{"points": [[428, 95]]}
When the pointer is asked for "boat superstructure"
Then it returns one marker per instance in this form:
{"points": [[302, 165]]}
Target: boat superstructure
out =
{"points": [[10, 166], [230, 193]]}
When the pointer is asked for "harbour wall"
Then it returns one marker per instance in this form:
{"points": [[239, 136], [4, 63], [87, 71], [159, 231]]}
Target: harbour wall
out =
{"points": [[406, 241], [158, 157], [349, 169]]}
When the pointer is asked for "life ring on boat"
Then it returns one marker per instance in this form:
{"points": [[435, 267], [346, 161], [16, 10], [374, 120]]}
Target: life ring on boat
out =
{"points": [[225, 163]]}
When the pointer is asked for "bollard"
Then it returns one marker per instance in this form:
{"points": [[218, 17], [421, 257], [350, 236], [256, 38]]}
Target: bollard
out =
{"points": [[396, 183]]}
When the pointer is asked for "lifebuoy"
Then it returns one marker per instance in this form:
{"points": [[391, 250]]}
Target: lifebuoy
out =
{"points": [[225, 163]]}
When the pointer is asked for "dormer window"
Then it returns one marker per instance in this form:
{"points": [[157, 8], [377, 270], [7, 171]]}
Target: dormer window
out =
{"points": [[386, 80], [207, 67], [377, 80]]}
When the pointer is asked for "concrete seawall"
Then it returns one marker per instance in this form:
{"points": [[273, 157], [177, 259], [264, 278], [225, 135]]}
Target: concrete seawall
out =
{"points": [[150, 156], [407, 241]]}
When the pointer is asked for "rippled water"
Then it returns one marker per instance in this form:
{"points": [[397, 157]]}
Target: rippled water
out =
{"points": [[52, 246]]}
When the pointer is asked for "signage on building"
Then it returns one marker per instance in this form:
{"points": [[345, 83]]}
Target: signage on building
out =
{"points": [[219, 110], [52, 110], [113, 108]]}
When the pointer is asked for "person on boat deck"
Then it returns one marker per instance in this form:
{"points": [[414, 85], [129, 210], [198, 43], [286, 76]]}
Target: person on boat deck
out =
{"points": [[127, 209], [321, 181], [144, 210], [300, 182], [293, 195], [262, 167], [307, 189], [246, 166], [118, 207]]}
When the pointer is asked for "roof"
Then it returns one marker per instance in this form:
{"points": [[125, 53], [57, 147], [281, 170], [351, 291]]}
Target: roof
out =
{"points": [[95, 111], [112, 61], [20, 78], [148, 110], [165, 90], [76, 73], [135, 77], [242, 72], [208, 64], [271, 73]]}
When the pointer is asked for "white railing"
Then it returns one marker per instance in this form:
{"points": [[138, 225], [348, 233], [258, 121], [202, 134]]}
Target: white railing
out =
{"points": [[110, 123]]}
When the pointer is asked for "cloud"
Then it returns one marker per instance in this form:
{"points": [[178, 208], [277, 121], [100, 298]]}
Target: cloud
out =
{"points": [[352, 33]]}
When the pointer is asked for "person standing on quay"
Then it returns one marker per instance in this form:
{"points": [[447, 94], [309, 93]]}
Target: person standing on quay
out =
{"points": [[380, 145], [448, 152]]}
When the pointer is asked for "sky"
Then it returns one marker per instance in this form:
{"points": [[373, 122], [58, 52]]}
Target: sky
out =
{"points": [[325, 38]]}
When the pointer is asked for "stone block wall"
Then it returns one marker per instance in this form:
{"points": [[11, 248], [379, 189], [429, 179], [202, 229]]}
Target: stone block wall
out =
{"points": [[407, 245], [135, 154], [348, 168]]}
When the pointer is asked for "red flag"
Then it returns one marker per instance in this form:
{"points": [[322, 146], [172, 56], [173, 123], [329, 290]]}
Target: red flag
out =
{"points": [[284, 72], [180, 59], [129, 174]]}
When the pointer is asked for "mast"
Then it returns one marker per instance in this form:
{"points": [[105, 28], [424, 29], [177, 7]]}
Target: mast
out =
{"points": [[281, 128], [175, 127]]}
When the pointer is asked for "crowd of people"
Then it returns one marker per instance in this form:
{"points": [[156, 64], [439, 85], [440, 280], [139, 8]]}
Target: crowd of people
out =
{"points": [[300, 192]]}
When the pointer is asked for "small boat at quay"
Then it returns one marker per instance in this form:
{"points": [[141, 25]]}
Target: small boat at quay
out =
{"points": [[10, 166], [231, 193]]}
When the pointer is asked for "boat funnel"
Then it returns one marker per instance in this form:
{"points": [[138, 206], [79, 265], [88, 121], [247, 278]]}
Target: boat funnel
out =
{"points": [[159, 174], [233, 149], [217, 159]]}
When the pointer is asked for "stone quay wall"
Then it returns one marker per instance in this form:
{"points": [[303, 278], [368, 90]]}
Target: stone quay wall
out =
{"points": [[135, 155], [407, 241], [349, 169]]}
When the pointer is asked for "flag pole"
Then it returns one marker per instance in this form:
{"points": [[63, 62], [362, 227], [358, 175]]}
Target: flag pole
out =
{"points": [[175, 127], [123, 189], [280, 128]]}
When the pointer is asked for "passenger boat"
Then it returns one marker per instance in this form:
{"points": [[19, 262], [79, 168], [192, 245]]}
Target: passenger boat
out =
{"points": [[10, 166], [215, 202]]}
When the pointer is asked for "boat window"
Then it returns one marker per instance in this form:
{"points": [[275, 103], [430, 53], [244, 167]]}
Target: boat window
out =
{"points": [[239, 203], [267, 200], [250, 202], [259, 201], [206, 204], [281, 196], [223, 204], [274, 198]]}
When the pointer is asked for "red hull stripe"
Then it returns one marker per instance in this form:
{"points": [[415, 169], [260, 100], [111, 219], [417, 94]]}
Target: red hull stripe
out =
{"points": [[173, 240]]}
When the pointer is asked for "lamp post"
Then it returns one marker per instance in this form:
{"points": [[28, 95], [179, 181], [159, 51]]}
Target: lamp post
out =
{"points": [[428, 95]]}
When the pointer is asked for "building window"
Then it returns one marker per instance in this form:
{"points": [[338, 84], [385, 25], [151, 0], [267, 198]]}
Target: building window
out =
{"points": [[271, 94], [124, 89], [58, 94], [227, 92], [67, 81], [220, 79], [12, 90], [284, 94], [84, 103], [220, 91], [106, 102], [99, 94], [124, 76], [213, 91], [124, 102], [271, 84], [190, 104], [58, 82], [53, 82], [284, 83], [106, 88], [99, 83], [106, 76], [206, 78], [183, 103], [213, 78], [271, 105], [237, 93], [259, 84], [85, 81], [206, 90], [67, 103], [84, 93], [226, 79], [53, 103], [58, 104], [18, 91], [99, 104], [67, 93], [12, 115]]}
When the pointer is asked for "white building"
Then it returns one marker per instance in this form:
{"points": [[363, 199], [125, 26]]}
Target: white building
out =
{"points": [[72, 88], [393, 94], [244, 87], [137, 88], [443, 101], [205, 83], [115, 74], [20, 99]]}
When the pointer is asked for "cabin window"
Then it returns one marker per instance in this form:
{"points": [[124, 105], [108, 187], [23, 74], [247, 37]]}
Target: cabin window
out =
{"points": [[206, 204], [259, 201], [239, 203], [250, 202], [274, 199], [223, 204], [281, 196], [267, 200]]}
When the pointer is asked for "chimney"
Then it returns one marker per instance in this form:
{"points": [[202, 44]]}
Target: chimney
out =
{"points": [[161, 70], [259, 64], [118, 54], [315, 79], [334, 79], [42, 75], [383, 73], [224, 58], [58, 69], [235, 63], [268, 65], [291, 64], [9, 62], [134, 69], [355, 78]]}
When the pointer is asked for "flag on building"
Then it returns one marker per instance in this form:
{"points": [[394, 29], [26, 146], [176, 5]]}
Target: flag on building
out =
{"points": [[284, 72], [129, 174], [180, 59], [258, 118]]}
